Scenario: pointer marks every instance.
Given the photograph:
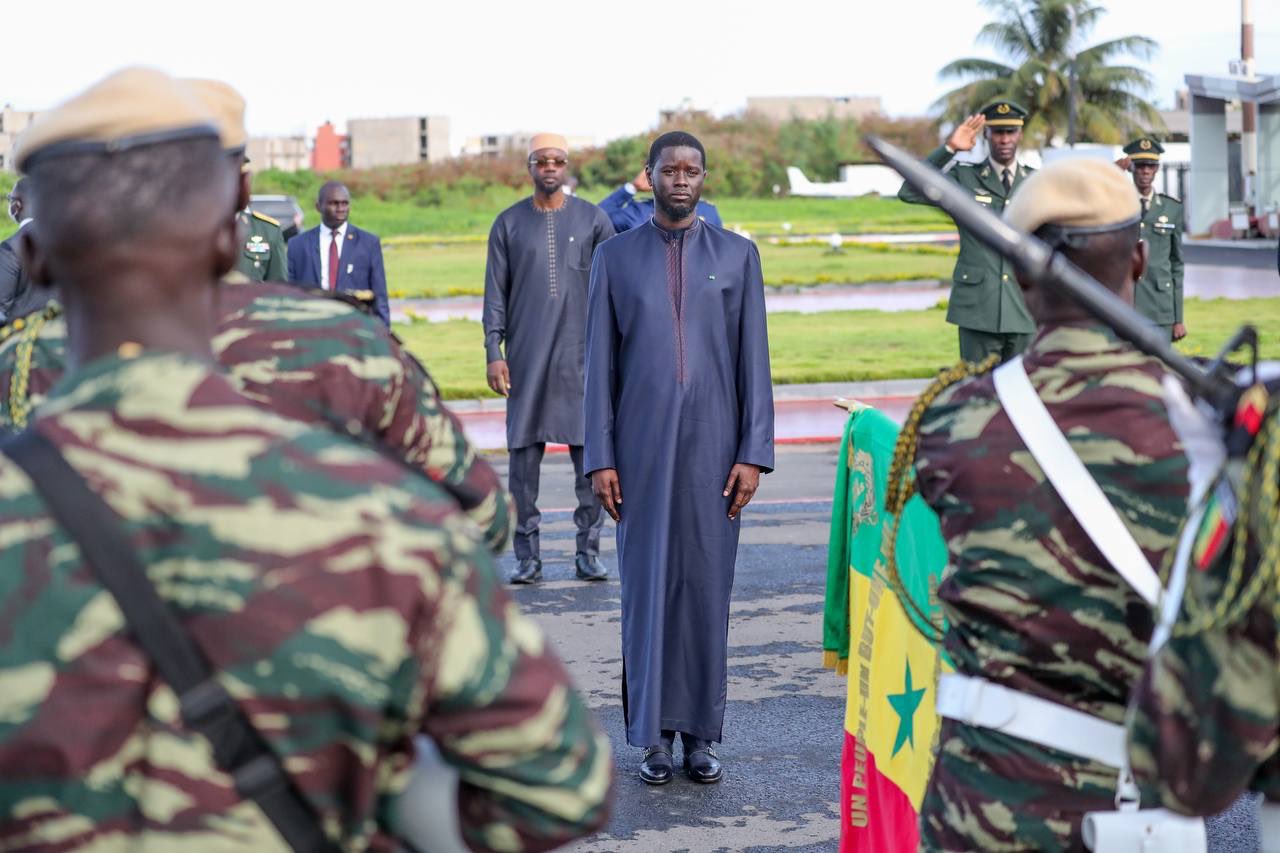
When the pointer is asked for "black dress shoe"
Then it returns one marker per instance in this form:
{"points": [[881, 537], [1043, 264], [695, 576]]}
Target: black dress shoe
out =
{"points": [[529, 571], [700, 760], [590, 568], [658, 766]]}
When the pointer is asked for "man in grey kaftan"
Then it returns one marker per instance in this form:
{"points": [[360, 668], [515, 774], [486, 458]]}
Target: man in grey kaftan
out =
{"points": [[678, 398], [535, 308]]}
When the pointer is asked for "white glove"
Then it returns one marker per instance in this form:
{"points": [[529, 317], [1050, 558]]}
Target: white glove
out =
{"points": [[1201, 438]]}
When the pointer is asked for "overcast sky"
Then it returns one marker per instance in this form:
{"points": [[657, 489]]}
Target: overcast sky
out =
{"points": [[590, 67]]}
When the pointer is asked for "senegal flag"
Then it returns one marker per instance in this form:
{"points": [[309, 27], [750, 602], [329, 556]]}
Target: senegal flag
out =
{"points": [[890, 724]]}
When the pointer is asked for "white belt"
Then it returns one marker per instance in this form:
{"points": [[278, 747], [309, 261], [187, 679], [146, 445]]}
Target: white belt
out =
{"points": [[978, 702]]}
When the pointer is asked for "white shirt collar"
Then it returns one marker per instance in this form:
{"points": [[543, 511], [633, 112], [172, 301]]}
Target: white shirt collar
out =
{"points": [[325, 231], [24, 222], [999, 169]]}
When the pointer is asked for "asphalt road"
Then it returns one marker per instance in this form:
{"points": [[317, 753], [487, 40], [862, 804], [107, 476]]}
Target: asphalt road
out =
{"points": [[784, 718]]}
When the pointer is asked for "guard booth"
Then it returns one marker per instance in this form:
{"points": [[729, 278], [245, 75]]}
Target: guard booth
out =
{"points": [[1215, 167]]}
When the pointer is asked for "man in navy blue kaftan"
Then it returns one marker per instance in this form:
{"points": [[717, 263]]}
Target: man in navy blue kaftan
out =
{"points": [[679, 424]]}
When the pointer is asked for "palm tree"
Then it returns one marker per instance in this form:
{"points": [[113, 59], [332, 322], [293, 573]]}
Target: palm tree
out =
{"points": [[1040, 37]]}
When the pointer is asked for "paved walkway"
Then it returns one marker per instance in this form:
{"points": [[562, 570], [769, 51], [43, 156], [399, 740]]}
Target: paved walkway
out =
{"points": [[782, 734], [1201, 281], [803, 414]]}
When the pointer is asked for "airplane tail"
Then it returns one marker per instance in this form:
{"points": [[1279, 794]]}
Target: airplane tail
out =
{"points": [[799, 183]]}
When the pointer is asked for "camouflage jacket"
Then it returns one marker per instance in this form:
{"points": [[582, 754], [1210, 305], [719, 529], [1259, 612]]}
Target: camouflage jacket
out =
{"points": [[310, 357], [342, 600], [1208, 708], [1029, 601]]}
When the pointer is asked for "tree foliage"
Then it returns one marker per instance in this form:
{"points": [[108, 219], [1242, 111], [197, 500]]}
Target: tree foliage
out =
{"points": [[747, 156], [1038, 39]]}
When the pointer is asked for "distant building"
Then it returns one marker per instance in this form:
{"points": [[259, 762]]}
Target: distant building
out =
{"points": [[12, 123], [814, 108], [331, 150], [1177, 121], [286, 153], [682, 112], [398, 141], [512, 144]]}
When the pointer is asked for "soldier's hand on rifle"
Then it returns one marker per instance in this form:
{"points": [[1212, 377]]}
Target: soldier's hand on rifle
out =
{"points": [[966, 134]]}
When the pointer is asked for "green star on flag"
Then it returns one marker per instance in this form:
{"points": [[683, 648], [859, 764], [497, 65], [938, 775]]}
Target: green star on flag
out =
{"points": [[905, 705]]}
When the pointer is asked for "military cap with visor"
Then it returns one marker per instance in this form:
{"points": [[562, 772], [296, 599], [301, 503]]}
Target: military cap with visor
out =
{"points": [[1145, 149], [1004, 114], [1073, 199], [132, 108]]}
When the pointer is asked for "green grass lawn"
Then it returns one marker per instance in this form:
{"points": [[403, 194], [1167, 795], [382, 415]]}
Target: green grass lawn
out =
{"points": [[456, 268], [837, 346]]}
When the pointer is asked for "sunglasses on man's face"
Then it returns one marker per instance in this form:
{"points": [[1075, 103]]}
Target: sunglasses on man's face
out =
{"points": [[543, 162]]}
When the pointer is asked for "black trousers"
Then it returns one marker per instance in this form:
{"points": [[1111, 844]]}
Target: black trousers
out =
{"points": [[523, 480]]}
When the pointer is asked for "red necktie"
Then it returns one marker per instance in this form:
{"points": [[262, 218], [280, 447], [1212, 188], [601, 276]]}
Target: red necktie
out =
{"points": [[333, 261]]}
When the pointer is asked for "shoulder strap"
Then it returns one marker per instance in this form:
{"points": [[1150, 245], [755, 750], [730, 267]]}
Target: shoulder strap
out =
{"points": [[1077, 488], [206, 706]]}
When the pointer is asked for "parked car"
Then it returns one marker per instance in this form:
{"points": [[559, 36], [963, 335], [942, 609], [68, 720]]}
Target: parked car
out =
{"points": [[282, 208]]}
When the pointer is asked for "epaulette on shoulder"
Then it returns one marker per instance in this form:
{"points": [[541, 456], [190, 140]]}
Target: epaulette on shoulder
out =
{"points": [[265, 218], [1170, 198], [49, 312]]}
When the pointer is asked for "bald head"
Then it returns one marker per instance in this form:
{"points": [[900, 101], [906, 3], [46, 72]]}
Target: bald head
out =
{"points": [[334, 204]]}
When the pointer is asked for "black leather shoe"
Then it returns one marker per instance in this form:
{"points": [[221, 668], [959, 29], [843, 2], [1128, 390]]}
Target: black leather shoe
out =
{"points": [[590, 568], [700, 760], [658, 767], [529, 571]]}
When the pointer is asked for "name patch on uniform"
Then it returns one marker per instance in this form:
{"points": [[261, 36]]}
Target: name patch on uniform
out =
{"points": [[982, 199]]}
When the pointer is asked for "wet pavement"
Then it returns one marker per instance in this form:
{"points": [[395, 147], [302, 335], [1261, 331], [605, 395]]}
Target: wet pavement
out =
{"points": [[784, 716], [1203, 281]]}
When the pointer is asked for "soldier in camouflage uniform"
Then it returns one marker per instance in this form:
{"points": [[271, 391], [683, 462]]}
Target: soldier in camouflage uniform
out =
{"points": [[1207, 715], [985, 303], [1030, 603], [341, 600], [304, 355]]}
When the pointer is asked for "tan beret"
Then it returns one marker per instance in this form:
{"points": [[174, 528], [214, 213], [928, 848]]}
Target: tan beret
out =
{"points": [[128, 109], [227, 108], [548, 140], [1078, 194]]}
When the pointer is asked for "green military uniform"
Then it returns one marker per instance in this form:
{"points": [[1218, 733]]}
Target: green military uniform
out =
{"points": [[986, 302], [1158, 295], [262, 255]]}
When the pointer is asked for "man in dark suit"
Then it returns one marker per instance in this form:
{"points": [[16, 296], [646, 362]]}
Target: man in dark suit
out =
{"points": [[336, 255], [18, 295]]}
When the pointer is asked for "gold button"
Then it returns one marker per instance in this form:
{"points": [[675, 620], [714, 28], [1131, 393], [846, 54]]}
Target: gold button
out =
{"points": [[1004, 277], [129, 349], [18, 324]]}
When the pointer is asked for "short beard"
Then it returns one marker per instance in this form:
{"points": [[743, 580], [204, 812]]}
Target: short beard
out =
{"points": [[674, 212]]}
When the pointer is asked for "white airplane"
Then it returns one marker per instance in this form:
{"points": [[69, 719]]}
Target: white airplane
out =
{"points": [[855, 181]]}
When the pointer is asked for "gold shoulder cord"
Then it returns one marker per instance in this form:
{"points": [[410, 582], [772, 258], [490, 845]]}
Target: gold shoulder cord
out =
{"points": [[29, 331], [902, 485]]}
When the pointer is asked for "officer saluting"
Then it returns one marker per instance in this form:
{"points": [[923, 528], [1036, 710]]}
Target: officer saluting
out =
{"points": [[985, 300], [1159, 293]]}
